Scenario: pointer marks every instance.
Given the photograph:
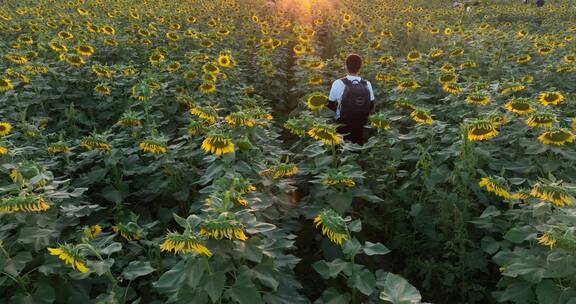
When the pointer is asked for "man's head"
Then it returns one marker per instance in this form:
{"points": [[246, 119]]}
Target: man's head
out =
{"points": [[353, 63]]}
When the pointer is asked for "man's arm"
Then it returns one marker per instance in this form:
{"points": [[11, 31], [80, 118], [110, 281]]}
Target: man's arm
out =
{"points": [[335, 94], [372, 98]]}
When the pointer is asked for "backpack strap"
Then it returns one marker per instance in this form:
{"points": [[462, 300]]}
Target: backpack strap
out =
{"points": [[348, 82]]}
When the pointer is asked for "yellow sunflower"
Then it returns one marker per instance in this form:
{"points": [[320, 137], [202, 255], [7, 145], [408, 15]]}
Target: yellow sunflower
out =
{"points": [[550, 98]]}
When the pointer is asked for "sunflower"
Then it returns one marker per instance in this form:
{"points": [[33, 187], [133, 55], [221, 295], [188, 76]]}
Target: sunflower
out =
{"points": [[3, 150], [315, 80], [407, 84], [295, 127], [556, 136], [541, 120], [447, 78], [218, 144], [25, 203], [207, 114], [421, 116], [478, 98], [405, 105], [173, 36], [523, 59], [130, 231], [207, 43], [16, 58], [153, 145], [226, 60], [333, 226], [65, 35], [569, 58], [5, 128], [495, 185], [210, 68], [385, 59], [280, 170], [58, 148], [71, 255], [207, 88], [74, 60], [519, 106], [451, 88], [325, 133], [436, 53], [85, 50], [25, 39], [223, 228], [108, 30], [550, 98], [447, 68], [5, 84], [239, 119], [102, 89], [545, 50], [379, 121], [481, 130], [184, 243], [457, 52], [552, 192], [316, 64], [547, 239], [413, 56], [316, 101], [92, 231], [95, 142]]}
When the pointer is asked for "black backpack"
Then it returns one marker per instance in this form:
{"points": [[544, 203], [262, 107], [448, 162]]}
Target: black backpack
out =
{"points": [[356, 104]]}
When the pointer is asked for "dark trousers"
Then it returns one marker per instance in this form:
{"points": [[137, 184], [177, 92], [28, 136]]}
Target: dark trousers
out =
{"points": [[353, 132]]}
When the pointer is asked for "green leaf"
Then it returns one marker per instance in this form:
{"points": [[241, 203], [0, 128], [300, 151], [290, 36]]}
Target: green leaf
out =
{"points": [[355, 226], [520, 234], [548, 293], [110, 249], [398, 290], [364, 281], [375, 248], [172, 279], [214, 284], [137, 269], [330, 269], [245, 293], [351, 247], [332, 296]]}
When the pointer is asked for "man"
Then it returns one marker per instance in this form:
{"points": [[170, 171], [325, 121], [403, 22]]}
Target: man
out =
{"points": [[352, 98]]}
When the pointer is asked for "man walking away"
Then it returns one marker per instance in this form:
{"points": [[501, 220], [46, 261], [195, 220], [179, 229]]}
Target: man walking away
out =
{"points": [[352, 98]]}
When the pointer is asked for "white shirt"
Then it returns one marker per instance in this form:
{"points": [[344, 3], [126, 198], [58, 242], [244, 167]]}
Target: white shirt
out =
{"points": [[337, 91]]}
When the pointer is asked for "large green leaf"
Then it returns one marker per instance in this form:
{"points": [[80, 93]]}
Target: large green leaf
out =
{"points": [[137, 269], [398, 290]]}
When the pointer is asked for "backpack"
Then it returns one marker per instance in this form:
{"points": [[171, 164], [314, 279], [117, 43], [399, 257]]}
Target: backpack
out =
{"points": [[355, 105]]}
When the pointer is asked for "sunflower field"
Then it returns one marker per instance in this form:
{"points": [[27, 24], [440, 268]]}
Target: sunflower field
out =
{"points": [[181, 151]]}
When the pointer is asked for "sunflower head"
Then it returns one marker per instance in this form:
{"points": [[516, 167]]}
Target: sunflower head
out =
{"points": [[497, 185], [519, 106], [556, 136], [223, 227], [478, 98], [218, 143], [553, 192], [550, 98], [481, 129], [379, 121], [325, 133], [316, 101], [184, 243], [541, 119], [71, 255], [421, 116], [332, 225]]}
